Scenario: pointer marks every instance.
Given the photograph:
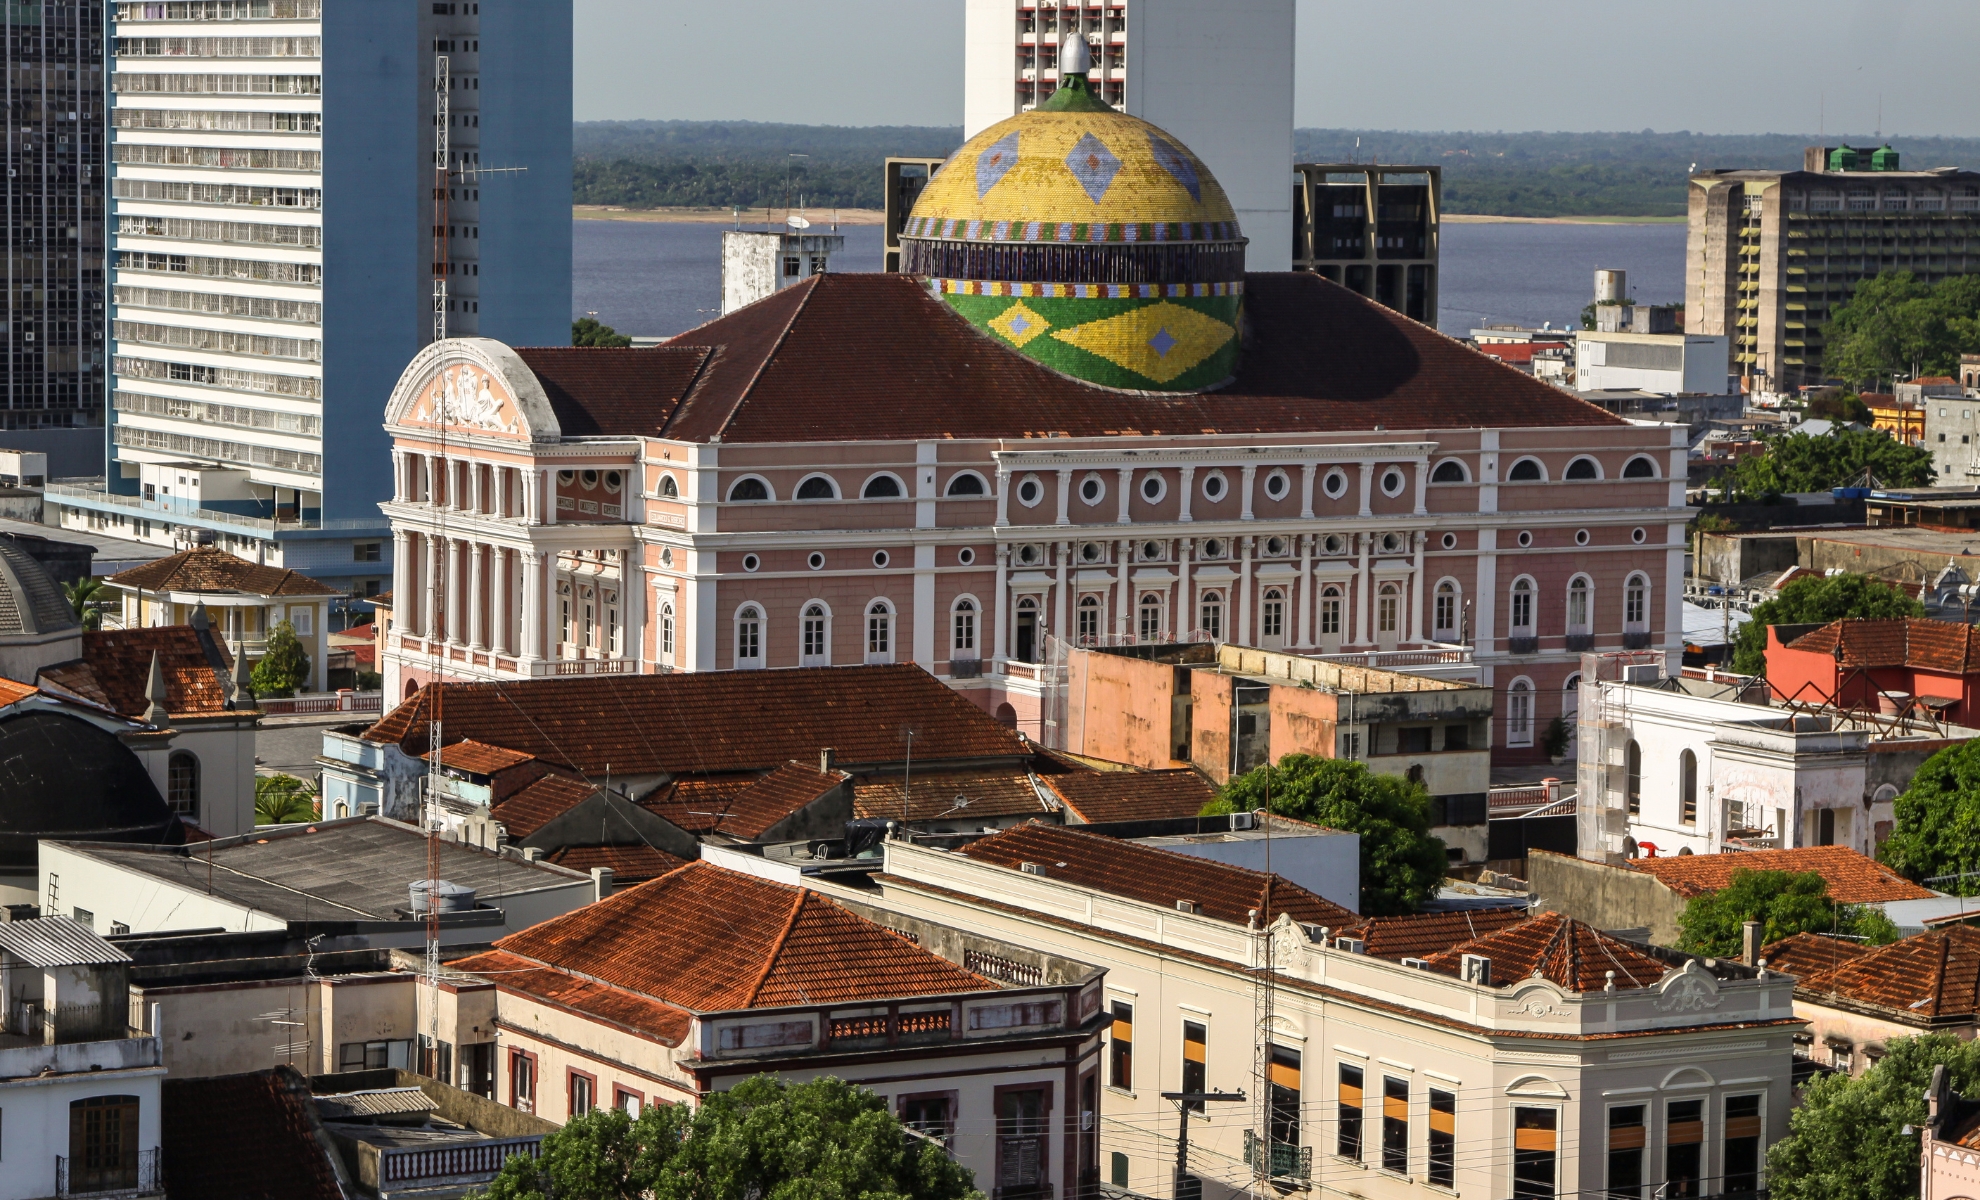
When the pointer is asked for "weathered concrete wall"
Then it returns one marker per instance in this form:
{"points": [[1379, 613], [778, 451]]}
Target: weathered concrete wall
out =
{"points": [[1211, 696], [1124, 708], [1727, 558], [1606, 897], [1304, 721]]}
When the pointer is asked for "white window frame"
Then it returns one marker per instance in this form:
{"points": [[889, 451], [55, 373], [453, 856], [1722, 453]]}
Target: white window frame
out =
{"points": [[1464, 472], [1096, 605], [1097, 479], [666, 645], [751, 613], [880, 631], [1636, 458], [1451, 591], [1523, 586], [830, 482], [1272, 613], [1332, 607], [905, 492], [1591, 460], [1147, 628], [1637, 595], [1519, 712], [960, 608], [822, 656], [1586, 603], [1526, 458], [770, 492], [987, 493], [1211, 612]]}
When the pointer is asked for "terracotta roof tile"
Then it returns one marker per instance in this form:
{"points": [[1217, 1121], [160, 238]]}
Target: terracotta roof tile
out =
{"points": [[245, 1137], [749, 811], [1132, 795], [13, 693], [1853, 879], [607, 391], [1160, 877], [616, 1005], [629, 864], [871, 356], [1926, 975], [208, 570], [540, 803], [710, 722], [1420, 935], [478, 758], [955, 795], [116, 667], [1573, 955], [1806, 955], [695, 799], [709, 939], [1947, 646]]}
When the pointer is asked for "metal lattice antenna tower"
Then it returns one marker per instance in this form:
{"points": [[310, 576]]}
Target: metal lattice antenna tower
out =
{"points": [[443, 121]]}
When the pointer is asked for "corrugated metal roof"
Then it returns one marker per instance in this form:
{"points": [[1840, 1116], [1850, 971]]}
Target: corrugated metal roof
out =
{"points": [[378, 1103], [56, 942]]}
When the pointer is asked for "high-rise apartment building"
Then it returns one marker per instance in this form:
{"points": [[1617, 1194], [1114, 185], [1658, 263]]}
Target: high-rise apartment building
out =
{"points": [[1217, 77], [1772, 254], [53, 321], [277, 226], [1375, 229]]}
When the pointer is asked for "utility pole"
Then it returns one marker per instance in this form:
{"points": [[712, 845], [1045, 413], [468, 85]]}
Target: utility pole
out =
{"points": [[1183, 1100]]}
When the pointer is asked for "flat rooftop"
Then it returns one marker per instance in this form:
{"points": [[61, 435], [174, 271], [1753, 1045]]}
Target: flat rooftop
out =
{"points": [[358, 869], [1280, 829]]}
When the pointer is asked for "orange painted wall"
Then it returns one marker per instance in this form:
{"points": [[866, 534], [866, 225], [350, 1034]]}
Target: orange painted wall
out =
{"points": [[1303, 722], [1124, 706]]}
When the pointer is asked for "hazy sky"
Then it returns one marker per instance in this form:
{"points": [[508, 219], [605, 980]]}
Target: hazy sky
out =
{"points": [[1711, 66]]}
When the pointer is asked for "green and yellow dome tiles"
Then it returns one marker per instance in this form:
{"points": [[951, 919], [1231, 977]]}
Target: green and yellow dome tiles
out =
{"points": [[1088, 240]]}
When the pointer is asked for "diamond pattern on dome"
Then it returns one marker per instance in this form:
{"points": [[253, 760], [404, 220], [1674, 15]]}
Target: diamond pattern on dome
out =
{"points": [[995, 162], [1018, 324], [1176, 163], [1094, 166], [1159, 341]]}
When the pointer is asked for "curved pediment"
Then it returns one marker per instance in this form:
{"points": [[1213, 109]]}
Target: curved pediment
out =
{"points": [[472, 387], [1689, 989], [1536, 1085], [1687, 1077]]}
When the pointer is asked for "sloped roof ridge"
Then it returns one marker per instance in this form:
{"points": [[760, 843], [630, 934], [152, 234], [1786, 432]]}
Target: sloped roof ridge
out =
{"points": [[777, 947], [809, 288]]}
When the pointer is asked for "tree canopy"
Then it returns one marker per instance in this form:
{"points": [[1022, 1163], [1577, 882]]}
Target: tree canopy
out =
{"points": [[1936, 826], [823, 1139], [283, 800], [1804, 462], [1846, 1139], [1896, 325], [1401, 864], [1785, 902], [284, 666], [1818, 598], [590, 331], [87, 599]]}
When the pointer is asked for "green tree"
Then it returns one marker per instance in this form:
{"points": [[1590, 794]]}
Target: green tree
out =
{"points": [[1936, 822], [283, 800], [589, 331], [284, 666], [823, 1139], [1846, 1139], [1817, 598], [1896, 326], [87, 601], [1401, 864], [1786, 903], [1801, 462]]}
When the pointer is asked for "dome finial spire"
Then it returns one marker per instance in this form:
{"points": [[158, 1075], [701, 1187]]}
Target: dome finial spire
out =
{"points": [[1076, 58], [1075, 89]]}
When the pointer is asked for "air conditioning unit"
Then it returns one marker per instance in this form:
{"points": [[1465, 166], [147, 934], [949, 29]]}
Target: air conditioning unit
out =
{"points": [[1476, 968], [1244, 820], [1351, 945], [1188, 906], [1032, 868], [1642, 672], [1421, 964]]}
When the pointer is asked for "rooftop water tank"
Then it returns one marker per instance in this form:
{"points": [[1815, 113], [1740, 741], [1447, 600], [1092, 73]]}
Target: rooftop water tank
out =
{"points": [[446, 897], [1884, 159], [1842, 158]]}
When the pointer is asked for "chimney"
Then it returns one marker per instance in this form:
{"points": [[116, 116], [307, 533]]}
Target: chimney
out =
{"points": [[825, 760], [601, 883], [154, 694], [532, 853], [1749, 943]]}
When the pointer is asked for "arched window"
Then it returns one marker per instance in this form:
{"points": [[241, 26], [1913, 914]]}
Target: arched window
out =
{"points": [[1527, 470], [1636, 604], [1444, 614], [1025, 648], [749, 637], [1519, 713], [1150, 613], [1388, 608], [1640, 467], [962, 638], [1571, 699], [1007, 716], [815, 635], [1578, 605], [1210, 615], [817, 487], [1330, 611], [1522, 607], [967, 483], [1089, 620], [1272, 616], [1633, 777], [879, 632], [881, 487], [1449, 471], [749, 487], [182, 784], [1687, 788], [1583, 468], [667, 633], [668, 488]]}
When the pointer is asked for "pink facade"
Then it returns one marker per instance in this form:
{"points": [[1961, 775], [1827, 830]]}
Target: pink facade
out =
{"points": [[524, 550]]}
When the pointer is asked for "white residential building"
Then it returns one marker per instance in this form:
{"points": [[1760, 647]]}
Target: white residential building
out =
{"points": [[1220, 79], [1668, 363]]}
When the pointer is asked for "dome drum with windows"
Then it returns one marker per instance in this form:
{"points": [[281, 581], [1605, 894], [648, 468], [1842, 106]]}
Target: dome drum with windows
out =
{"points": [[1087, 240]]}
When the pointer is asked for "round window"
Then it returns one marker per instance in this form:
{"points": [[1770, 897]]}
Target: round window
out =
{"points": [[965, 556], [1525, 538], [1638, 536], [1336, 544], [1335, 484], [1213, 548], [1581, 537], [1277, 484], [1275, 546], [1213, 485], [816, 561], [1030, 554], [1392, 482], [612, 481], [1391, 543], [589, 479], [1030, 491], [1151, 551], [565, 477], [880, 558], [1153, 489], [1092, 489], [1450, 541], [1090, 552], [751, 562], [666, 556]]}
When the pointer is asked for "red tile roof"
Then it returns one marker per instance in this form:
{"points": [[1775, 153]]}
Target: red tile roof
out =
{"points": [[208, 570], [614, 391], [245, 1137], [478, 758], [707, 722], [1853, 879], [1522, 352], [13, 693], [1947, 646], [629, 864], [708, 939], [540, 803], [1160, 877], [629, 1010], [1420, 935], [1573, 955], [873, 356], [953, 795], [1097, 796], [116, 667], [752, 810], [1804, 955], [1927, 975]]}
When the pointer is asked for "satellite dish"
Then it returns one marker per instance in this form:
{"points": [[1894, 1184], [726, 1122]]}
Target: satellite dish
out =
{"points": [[797, 222]]}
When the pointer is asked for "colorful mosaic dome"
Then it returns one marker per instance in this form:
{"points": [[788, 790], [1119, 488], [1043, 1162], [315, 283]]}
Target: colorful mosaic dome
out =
{"points": [[1088, 240]]}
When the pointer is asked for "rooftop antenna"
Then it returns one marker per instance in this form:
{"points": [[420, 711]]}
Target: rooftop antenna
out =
{"points": [[445, 174]]}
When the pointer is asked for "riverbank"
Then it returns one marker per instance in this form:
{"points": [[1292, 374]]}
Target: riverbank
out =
{"points": [[1488, 219], [754, 218]]}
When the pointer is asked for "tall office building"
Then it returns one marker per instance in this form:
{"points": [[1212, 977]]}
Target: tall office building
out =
{"points": [[52, 323], [1772, 254], [274, 210], [1217, 77]]}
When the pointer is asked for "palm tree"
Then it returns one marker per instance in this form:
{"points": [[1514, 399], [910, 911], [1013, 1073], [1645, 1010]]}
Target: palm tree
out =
{"points": [[87, 600], [282, 800]]}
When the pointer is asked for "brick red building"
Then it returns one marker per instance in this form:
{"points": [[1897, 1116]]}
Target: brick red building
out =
{"points": [[1880, 664]]}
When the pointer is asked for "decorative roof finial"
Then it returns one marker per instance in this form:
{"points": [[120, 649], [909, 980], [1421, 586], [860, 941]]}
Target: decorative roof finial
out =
{"points": [[199, 619], [1077, 58], [1075, 92], [243, 689], [155, 712]]}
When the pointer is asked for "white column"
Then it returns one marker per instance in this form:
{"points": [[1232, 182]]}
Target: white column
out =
{"points": [[1188, 474], [532, 497], [1422, 486], [532, 605], [1363, 627], [1124, 607], [399, 480], [1126, 491], [429, 472], [546, 504], [1059, 600], [403, 573], [1306, 471], [1416, 589], [436, 574], [1003, 597], [1065, 496], [498, 600], [477, 632], [1003, 500], [1367, 485], [1303, 595], [1182, 617], [928, 626], [1244, 577], [1485, 593], [456, 611], [632, 605], [1250, 476]]}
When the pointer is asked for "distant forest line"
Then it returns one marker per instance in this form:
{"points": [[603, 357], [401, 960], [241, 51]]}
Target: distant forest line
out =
{"points": [[662, 164]]}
